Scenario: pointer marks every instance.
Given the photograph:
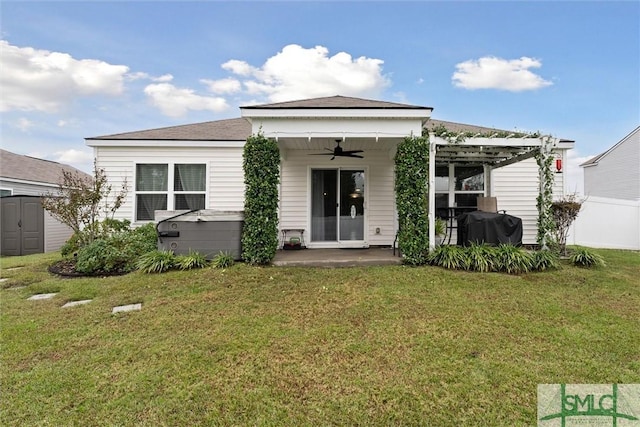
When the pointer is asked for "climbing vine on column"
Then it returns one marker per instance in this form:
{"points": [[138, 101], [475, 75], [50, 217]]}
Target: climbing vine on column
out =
{"points": [[411, 185], [261, 162], [546, 224]]}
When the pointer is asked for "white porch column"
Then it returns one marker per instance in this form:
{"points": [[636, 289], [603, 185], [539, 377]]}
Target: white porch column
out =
{"points": [[432, 194]]}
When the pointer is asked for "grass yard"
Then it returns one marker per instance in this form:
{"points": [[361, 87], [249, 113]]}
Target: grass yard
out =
{"points": [[302, 346]]}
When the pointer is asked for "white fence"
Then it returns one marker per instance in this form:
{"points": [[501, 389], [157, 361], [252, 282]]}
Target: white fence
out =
{"points": [[607, 223]]}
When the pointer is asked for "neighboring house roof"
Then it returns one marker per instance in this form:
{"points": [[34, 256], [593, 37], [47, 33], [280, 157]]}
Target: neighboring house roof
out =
{"points": [[594, 160], [26, 168], [336, 102]]}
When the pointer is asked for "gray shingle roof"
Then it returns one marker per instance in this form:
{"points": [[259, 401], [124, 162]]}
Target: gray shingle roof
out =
{"points": [[239, 129], [219, 130], [27, 168], [336, 102]]}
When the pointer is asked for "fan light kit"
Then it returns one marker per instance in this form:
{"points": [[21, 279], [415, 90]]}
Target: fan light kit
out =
{"points": [[338, 151]]}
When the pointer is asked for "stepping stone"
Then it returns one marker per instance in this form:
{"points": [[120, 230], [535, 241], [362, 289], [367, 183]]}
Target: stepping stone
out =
{"points": [[75, 303], [13, 269], [3, 280], [125, 308], [37, 297], [15, 288]]}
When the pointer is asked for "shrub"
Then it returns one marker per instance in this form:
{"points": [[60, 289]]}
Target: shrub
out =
{"points": [[117, 253], [261, 163], [98, 230], [564, 212], [481, 257], [191, 261], [411, 187], [100, 256], [223, 260], [545, 260], [583, 257], [513, 260], [452, 257], [156, 261]]}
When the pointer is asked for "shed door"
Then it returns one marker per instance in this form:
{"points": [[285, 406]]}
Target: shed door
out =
{"points": [[32, 227], [22, 226], [10, 230]]}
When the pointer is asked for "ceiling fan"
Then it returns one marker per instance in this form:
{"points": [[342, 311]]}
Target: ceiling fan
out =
{"points": [[340, 152]]}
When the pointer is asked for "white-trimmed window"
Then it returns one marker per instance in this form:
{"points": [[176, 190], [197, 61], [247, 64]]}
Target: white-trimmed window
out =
{"points": [[162, 186], [5, 192], [459, 186]]}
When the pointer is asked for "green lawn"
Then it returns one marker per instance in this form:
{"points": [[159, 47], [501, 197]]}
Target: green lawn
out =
{"points": [[301, 346]]}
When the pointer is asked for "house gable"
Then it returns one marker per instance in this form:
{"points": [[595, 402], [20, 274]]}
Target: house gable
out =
{"points": [[616, 172]]}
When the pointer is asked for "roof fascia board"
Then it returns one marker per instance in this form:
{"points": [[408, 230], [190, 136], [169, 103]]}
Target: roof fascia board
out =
{"points": [[24, 181], [162, 143], [377, 113]]}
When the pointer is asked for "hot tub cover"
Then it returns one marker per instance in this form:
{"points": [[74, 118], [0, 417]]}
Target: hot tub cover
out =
{"points": [[488, 227]]}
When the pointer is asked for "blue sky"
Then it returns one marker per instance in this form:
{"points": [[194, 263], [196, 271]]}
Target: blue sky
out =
{"points": [[72, 70]]}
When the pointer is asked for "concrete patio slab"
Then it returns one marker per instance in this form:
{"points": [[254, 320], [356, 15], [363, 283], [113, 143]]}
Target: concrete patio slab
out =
{"points": [[333, 258], [38, 297], [76, 303], [126, 308]]}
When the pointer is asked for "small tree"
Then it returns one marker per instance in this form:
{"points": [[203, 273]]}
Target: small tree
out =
{"points": [[564, 212], [80, 202], [261, 177]]}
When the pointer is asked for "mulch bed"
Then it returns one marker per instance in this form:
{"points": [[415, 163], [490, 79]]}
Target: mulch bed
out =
{"points": [[67, 268]]}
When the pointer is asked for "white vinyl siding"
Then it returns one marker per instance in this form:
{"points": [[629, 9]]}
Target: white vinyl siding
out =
{"points": [[225, 181], [55, 233], [27, 189], [517, 187], [617, 173], [380, 202]]}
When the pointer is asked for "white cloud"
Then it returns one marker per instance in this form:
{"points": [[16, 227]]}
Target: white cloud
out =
{"points": [[73, 157], [223, 86], [239, 67], [490, 72], [39, 80], [176, 102], [24, 124], [297, 73], [146, 76]]}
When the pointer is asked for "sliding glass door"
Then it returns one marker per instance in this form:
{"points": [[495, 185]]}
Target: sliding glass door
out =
{"points": [[337, 205]]}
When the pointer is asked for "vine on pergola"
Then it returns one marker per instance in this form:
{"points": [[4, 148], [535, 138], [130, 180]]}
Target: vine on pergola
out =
{"points": [[546, 224]]}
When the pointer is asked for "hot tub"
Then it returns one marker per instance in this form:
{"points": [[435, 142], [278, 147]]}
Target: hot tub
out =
{"points": [[206, 231]]}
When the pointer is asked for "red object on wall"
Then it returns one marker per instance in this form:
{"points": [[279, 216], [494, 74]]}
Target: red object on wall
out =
{"points": [[558, 165]]}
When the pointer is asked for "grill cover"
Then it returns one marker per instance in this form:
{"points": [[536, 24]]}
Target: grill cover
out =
{"points": [[488, 227]]}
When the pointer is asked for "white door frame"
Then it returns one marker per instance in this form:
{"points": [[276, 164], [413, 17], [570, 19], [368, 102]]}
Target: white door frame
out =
{"points": [[339, 243]]}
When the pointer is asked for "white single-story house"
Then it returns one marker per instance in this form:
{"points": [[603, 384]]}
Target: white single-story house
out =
{"points": [[337, 167], [26, 227], [610, 213]]}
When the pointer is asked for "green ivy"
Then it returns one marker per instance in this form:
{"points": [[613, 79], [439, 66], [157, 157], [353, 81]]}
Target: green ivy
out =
{"points": [[546, 224], [411, 187], [454, 137], [261, 162]]}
